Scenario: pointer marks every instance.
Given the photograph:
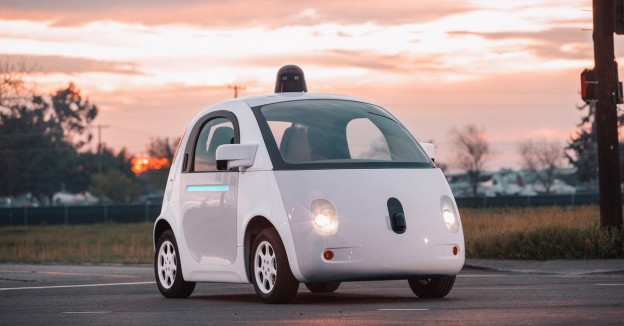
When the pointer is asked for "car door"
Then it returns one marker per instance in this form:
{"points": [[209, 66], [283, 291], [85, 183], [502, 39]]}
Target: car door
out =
{"points": [[208, 196]]}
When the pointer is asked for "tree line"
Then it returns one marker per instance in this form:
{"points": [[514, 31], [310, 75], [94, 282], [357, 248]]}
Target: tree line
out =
{"points": [[43, 141], [543, 158], [43, 138]]}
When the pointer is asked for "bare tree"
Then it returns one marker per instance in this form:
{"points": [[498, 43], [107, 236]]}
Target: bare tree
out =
{"points": [[12, 85], [543, 158], [163, 147], [472, 151]]}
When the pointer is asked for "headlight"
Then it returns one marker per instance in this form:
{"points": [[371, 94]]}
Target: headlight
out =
{"points": [[324, 217], [449, 214]]}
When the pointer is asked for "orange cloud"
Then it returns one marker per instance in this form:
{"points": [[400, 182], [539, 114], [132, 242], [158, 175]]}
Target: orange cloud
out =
{"points": [[151, 65], [68, 65], [556, 43], [229, 13]]}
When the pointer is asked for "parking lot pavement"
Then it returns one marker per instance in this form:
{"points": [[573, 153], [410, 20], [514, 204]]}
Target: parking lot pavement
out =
{"points": [[569, 292], [562, 267], [26, 275]]}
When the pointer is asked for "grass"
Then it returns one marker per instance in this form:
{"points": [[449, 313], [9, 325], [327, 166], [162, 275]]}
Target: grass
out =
{"points": [[100, 243], [539, 233], [510, 233]]}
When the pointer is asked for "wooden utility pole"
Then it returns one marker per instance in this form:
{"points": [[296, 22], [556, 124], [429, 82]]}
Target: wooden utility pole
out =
{"points": [[606, 115], [99, 148], [236, 88]]}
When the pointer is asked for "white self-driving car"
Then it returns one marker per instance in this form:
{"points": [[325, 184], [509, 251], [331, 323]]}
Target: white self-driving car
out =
{"points": [[297, 187]]}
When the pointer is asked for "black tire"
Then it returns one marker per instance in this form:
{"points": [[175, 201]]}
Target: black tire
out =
{"points": [[168, 270], [269, 269], [432, 287], [325, 287]]}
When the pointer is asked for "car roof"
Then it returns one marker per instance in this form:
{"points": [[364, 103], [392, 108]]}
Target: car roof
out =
{"points": [[259, 100]]}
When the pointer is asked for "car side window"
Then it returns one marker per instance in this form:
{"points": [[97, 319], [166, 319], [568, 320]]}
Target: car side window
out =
{"points": [[214, 133]]}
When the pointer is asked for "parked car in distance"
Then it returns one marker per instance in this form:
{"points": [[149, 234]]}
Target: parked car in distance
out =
{"points": [[297, 187]]}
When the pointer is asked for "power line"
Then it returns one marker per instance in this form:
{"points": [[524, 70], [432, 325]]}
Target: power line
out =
{"points": [[31, 134], [36, 150], [135, 131]]}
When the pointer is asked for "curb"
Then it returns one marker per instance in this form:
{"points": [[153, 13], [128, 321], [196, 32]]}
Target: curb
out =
{"points": [[550, 267]]}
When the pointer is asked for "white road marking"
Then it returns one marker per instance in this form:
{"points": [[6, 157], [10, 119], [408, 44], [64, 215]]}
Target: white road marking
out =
{"points": [[87, 312], [404, 309], [482, 275], [610, 284], [497, 288], [73, 286], [88, 274], [64, 273]]}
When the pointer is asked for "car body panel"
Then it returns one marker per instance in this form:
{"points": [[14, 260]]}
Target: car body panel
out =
{"points": [[364, 247], [208, 204]]}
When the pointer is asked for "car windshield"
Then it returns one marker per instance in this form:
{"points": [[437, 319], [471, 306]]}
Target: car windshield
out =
{"points": [[336, 133]]}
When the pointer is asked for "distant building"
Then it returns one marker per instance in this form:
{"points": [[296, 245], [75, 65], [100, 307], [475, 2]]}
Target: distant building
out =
{"points": [[506, 182]]}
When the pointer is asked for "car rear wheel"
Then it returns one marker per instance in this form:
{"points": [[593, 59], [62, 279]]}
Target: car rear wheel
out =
{"points": [[168, 270], [270, 272], [325, 287], [432, 287]]}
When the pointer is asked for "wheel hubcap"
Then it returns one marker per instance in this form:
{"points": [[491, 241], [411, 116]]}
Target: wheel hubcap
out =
{"points": [[265, 267], [167, 268]]}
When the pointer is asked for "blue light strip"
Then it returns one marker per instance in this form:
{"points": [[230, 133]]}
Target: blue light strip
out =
{"points": [[212, 188]]}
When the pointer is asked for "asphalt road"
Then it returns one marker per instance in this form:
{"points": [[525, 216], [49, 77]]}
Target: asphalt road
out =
{"points": [[127, 295]]}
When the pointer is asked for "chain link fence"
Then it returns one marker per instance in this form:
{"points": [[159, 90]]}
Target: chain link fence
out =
{"points": [[66, 215]]}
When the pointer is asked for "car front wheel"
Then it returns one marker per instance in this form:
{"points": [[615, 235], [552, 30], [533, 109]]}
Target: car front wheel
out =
{"points": [[432, 287], [168, 269], [269, 268]]}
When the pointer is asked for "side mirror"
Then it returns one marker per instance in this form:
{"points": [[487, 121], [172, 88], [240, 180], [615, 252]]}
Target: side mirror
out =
{"points": [[232, 156], [429, 149]]}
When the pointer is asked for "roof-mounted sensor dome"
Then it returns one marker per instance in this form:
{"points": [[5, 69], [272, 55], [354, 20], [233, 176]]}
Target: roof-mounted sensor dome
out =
{"points": [[290, 78]]}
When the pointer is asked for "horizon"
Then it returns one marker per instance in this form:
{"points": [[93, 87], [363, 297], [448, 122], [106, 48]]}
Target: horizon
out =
{"points": [[151, 66]]}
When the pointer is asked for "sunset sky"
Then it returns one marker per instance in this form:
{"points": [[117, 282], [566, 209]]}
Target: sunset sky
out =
{"points": [[511, 67]]}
